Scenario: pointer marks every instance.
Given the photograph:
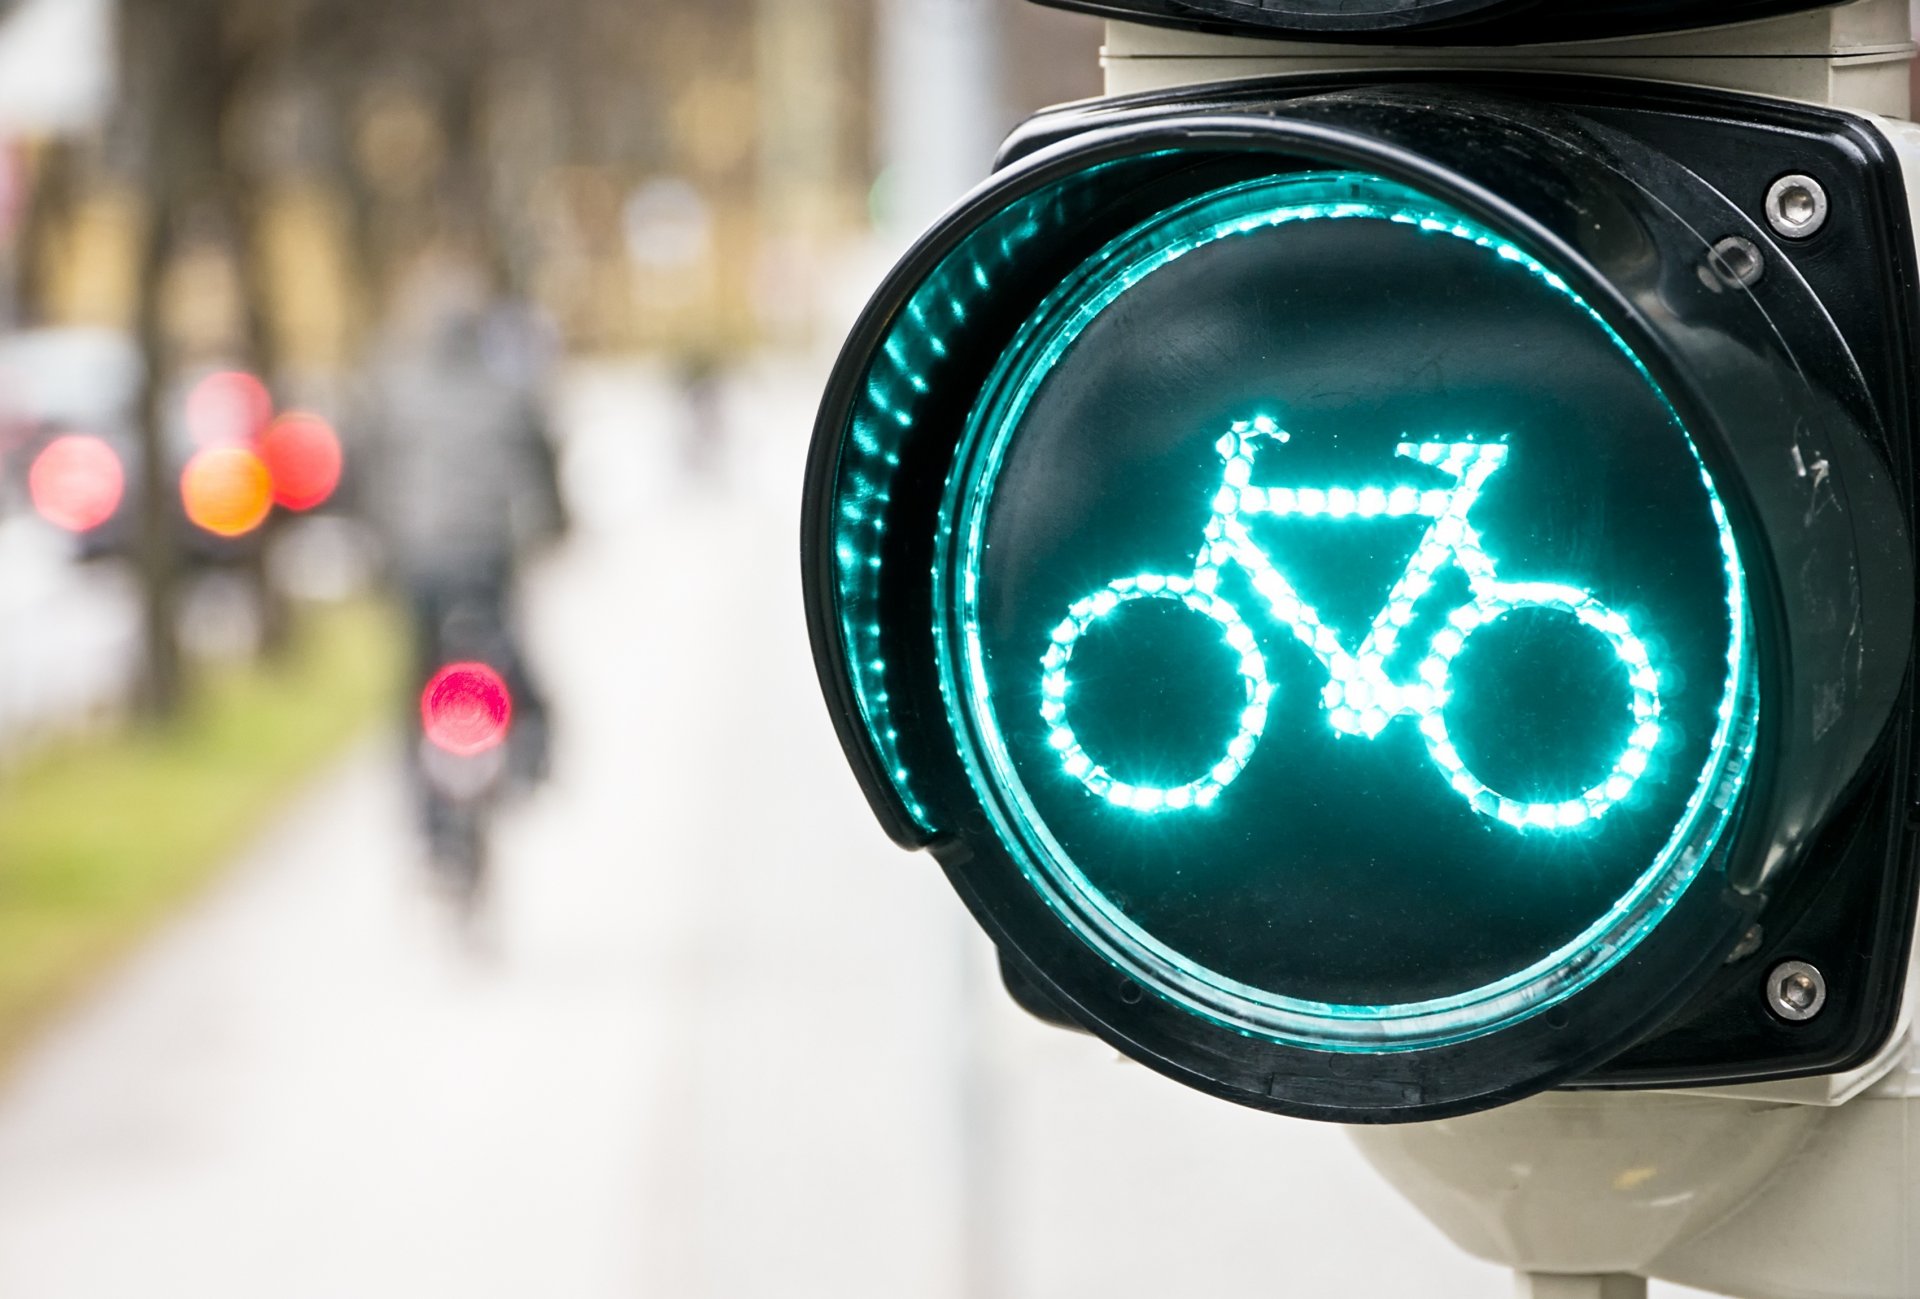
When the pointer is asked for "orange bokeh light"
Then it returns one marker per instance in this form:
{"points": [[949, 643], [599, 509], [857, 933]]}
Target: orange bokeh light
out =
{"points": [[302, 452], [227, 490], [466, 709], [76, 482], [228, 408]]}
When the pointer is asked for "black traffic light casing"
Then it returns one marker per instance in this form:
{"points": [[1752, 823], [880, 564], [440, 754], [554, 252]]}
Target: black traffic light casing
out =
{"points": [[1797, 383]]}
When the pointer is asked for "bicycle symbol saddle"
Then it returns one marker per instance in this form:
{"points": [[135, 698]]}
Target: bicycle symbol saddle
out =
{"points": [[1360, 698]]}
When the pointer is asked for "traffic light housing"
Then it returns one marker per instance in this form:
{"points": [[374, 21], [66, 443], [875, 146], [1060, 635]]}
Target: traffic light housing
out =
{"points": [[1386, 594]]}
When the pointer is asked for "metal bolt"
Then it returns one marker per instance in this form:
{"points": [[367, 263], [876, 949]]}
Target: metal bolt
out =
{"points": [[1735, 262], [1796, 991], [1796, 206]]}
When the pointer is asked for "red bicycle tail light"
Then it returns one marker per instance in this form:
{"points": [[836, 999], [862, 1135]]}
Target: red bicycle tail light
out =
{"points": [[466, 709]]}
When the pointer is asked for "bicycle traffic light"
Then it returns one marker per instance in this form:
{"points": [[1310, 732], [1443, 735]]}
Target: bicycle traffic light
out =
{"points": [[1388, 592]]}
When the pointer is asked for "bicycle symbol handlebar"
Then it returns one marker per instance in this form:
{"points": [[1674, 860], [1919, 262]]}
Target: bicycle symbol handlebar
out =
{"points": [[1360, 698]]}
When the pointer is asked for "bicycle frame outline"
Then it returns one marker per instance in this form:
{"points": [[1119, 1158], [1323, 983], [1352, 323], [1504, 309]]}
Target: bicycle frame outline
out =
{"points": [[1360, 698]]}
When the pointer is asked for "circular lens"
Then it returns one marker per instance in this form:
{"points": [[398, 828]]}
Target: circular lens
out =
{"points": [[1341, 627]]}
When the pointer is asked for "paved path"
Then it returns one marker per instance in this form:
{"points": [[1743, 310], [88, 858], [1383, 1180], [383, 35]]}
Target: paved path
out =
{"points": [[733, 1046]]}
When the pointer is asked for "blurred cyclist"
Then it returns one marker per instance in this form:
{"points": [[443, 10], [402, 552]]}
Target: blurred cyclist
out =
{"points": [[467, 489]]}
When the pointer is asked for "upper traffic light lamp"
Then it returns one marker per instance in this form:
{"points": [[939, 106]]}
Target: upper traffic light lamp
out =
{"points": [[1386, 595], [1449, 21]]}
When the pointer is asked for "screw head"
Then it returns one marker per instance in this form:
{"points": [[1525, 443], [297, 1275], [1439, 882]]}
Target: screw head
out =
{"points": [[1797, 207], [1796, 991], [1734, 263]]}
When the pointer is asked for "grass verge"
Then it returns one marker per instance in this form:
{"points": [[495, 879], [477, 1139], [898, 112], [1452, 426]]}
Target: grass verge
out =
{"points": [[102, 836]]}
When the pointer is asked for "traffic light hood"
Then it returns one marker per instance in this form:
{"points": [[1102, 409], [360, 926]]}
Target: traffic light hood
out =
{"points": [[1369, 592]]}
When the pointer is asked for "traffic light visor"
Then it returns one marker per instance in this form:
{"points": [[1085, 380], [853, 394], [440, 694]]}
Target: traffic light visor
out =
{"points": [[1339, 624]]}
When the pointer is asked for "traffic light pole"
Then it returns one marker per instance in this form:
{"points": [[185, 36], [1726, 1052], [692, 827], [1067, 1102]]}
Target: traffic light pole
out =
{"points": [[1538, 1285], [940, 106]]}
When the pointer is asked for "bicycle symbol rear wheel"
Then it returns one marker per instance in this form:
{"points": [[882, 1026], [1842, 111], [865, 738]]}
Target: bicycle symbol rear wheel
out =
{"points": [[1055, 689], [1493, 601]]}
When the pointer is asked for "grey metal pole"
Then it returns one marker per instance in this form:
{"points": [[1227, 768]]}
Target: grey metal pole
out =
{"points": [[940, 106], [1615, 1285], [940, 118]]}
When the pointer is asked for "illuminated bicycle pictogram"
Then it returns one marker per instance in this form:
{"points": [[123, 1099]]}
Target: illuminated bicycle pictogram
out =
{"points": [[1360, 698]]}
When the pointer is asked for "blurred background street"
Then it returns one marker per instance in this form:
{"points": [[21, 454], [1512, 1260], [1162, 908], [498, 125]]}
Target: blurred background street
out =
{"points": [[724, 1040], [727, 1041], [426, 866]]}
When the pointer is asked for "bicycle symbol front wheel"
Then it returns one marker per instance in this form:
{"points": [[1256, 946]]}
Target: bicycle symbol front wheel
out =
{"points": [[1056, 690], [1492, 602]]}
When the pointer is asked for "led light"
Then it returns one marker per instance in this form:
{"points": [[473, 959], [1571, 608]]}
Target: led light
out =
{"points": [[1202, 790], [896, 394], [1361, 699]]}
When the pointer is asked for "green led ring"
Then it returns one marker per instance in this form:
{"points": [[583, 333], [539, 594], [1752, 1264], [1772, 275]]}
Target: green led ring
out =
{"points": [[1492, 604], [1056, 690], [1698, 828]]}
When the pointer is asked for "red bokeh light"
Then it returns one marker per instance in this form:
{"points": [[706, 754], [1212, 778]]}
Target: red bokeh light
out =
{"points": [[302, 452], [228, 408], [227, 491], [76, 482], [466, 709]]}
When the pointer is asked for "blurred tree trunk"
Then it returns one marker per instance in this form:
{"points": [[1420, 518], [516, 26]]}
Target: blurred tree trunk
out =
{"points": [[179, 72], [158, 40], [49, 210], [236, 207]]}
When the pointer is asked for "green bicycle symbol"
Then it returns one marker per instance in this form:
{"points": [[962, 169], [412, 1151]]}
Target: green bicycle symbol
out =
{"points": [[1360, 698]]}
